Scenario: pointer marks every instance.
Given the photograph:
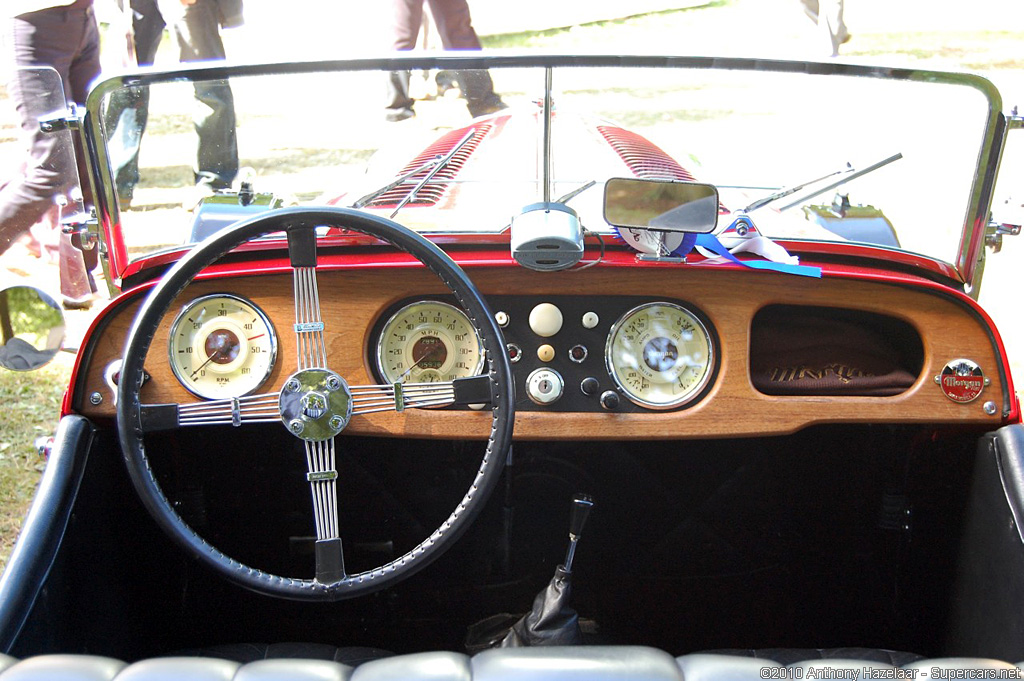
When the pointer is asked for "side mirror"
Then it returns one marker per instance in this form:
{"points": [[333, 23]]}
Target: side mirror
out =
{"points": [[661, 205], [31, 328]]}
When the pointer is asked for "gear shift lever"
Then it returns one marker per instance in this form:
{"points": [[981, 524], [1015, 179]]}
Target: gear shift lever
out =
{"points": [[581, 506], [552, 620]]}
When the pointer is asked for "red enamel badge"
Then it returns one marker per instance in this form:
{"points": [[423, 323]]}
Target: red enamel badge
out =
{"points": [[961, 380]]}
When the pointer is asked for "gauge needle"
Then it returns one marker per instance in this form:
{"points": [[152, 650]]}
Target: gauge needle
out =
{"points": [[257, 336], [429, 353], [208, 360]]}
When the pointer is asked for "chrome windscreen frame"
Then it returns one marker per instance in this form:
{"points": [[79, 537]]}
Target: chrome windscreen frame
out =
{"points": [[970, 259]]}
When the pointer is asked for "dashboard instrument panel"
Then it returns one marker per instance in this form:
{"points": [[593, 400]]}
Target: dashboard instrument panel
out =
{"points": [[717, 397]]}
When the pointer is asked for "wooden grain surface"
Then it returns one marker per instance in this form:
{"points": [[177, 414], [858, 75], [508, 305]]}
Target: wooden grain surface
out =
{"points": [[353, 300]]}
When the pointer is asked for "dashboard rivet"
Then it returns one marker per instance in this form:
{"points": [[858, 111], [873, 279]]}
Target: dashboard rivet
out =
{"points": [[990, 408], [96, 399], [296, 426]]}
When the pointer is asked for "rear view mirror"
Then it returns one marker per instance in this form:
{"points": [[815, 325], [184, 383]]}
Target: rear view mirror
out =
{"points": [[31, 328], [661, 205]]}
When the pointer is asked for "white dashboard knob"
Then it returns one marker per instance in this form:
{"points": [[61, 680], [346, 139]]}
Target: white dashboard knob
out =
{"points": [[590, 320], [545, 320]]}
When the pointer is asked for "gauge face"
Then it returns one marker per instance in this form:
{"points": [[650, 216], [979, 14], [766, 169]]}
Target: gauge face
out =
{"points": [[660, 355], [222, 346], [427, 342]]}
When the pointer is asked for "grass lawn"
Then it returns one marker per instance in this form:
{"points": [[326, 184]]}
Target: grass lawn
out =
{"points": [[31, 405]]}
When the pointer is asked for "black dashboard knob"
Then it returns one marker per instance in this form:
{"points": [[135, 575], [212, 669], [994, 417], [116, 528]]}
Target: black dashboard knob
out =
{"points": [[589, 386], [610, 400]]}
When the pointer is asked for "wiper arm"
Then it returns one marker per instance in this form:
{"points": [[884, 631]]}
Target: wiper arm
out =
{"points": [[864, 171], [786, 191], [575, 192], [849, 173], [444, 161]]}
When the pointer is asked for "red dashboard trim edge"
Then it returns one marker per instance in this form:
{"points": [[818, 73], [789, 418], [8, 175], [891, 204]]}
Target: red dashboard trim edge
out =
{"points": [[484, 257]]}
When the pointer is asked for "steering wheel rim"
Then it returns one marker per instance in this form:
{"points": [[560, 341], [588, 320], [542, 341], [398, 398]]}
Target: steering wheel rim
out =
{"points": [[130, 422]]}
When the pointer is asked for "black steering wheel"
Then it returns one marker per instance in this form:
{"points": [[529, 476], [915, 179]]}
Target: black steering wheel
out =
{"points": [[314, 403]]}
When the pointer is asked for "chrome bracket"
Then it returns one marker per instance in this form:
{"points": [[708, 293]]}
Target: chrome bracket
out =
{"points": [[85, 226], [57, 121], [995, 233], [1014, 121]]}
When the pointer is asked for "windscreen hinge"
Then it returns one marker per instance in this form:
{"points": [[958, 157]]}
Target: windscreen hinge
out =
{"points": [[996, 232], [1014, 121], [83, 228], [56, 121]]}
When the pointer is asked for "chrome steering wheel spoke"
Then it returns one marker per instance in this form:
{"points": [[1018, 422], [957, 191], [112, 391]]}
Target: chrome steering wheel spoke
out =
{"points": [[369, 399], [234, 411], [321, 462], [309, 327]]}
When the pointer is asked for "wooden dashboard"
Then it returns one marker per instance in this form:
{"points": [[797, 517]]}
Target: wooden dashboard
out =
{"points": [[354, 300]]}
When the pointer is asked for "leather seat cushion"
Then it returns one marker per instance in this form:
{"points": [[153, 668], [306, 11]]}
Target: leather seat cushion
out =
{"points": [[788, 656], [352, 656]]}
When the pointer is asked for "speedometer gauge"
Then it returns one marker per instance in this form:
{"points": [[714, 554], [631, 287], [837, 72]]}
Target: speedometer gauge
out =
{"points": [[660, 355], [427, 342], [222, 346]]}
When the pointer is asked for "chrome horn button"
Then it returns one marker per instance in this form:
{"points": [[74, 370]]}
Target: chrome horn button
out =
{"points": [[315, 404]]}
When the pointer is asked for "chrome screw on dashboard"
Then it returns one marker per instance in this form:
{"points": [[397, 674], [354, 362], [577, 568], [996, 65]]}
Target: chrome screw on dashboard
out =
{"points": [[990, 408], [292, 386], [96, 399], [333, 384], [296, 426], [336, 422]]}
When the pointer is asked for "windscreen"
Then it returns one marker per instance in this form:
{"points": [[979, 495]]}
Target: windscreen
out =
{"points": [[837, 157]]}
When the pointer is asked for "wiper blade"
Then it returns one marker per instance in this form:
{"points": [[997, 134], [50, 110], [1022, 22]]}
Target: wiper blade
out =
{"points": [[444, 161], [383, 190]]}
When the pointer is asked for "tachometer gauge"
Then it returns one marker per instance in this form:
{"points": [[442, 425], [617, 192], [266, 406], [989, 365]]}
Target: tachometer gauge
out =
{"points": [[427, 342], [222, 346], [660, 355]]}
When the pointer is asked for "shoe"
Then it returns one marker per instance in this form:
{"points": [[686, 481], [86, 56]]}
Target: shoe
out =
{"points": [[445, 81], [491, 106], [80, 303], [395, 115]]}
